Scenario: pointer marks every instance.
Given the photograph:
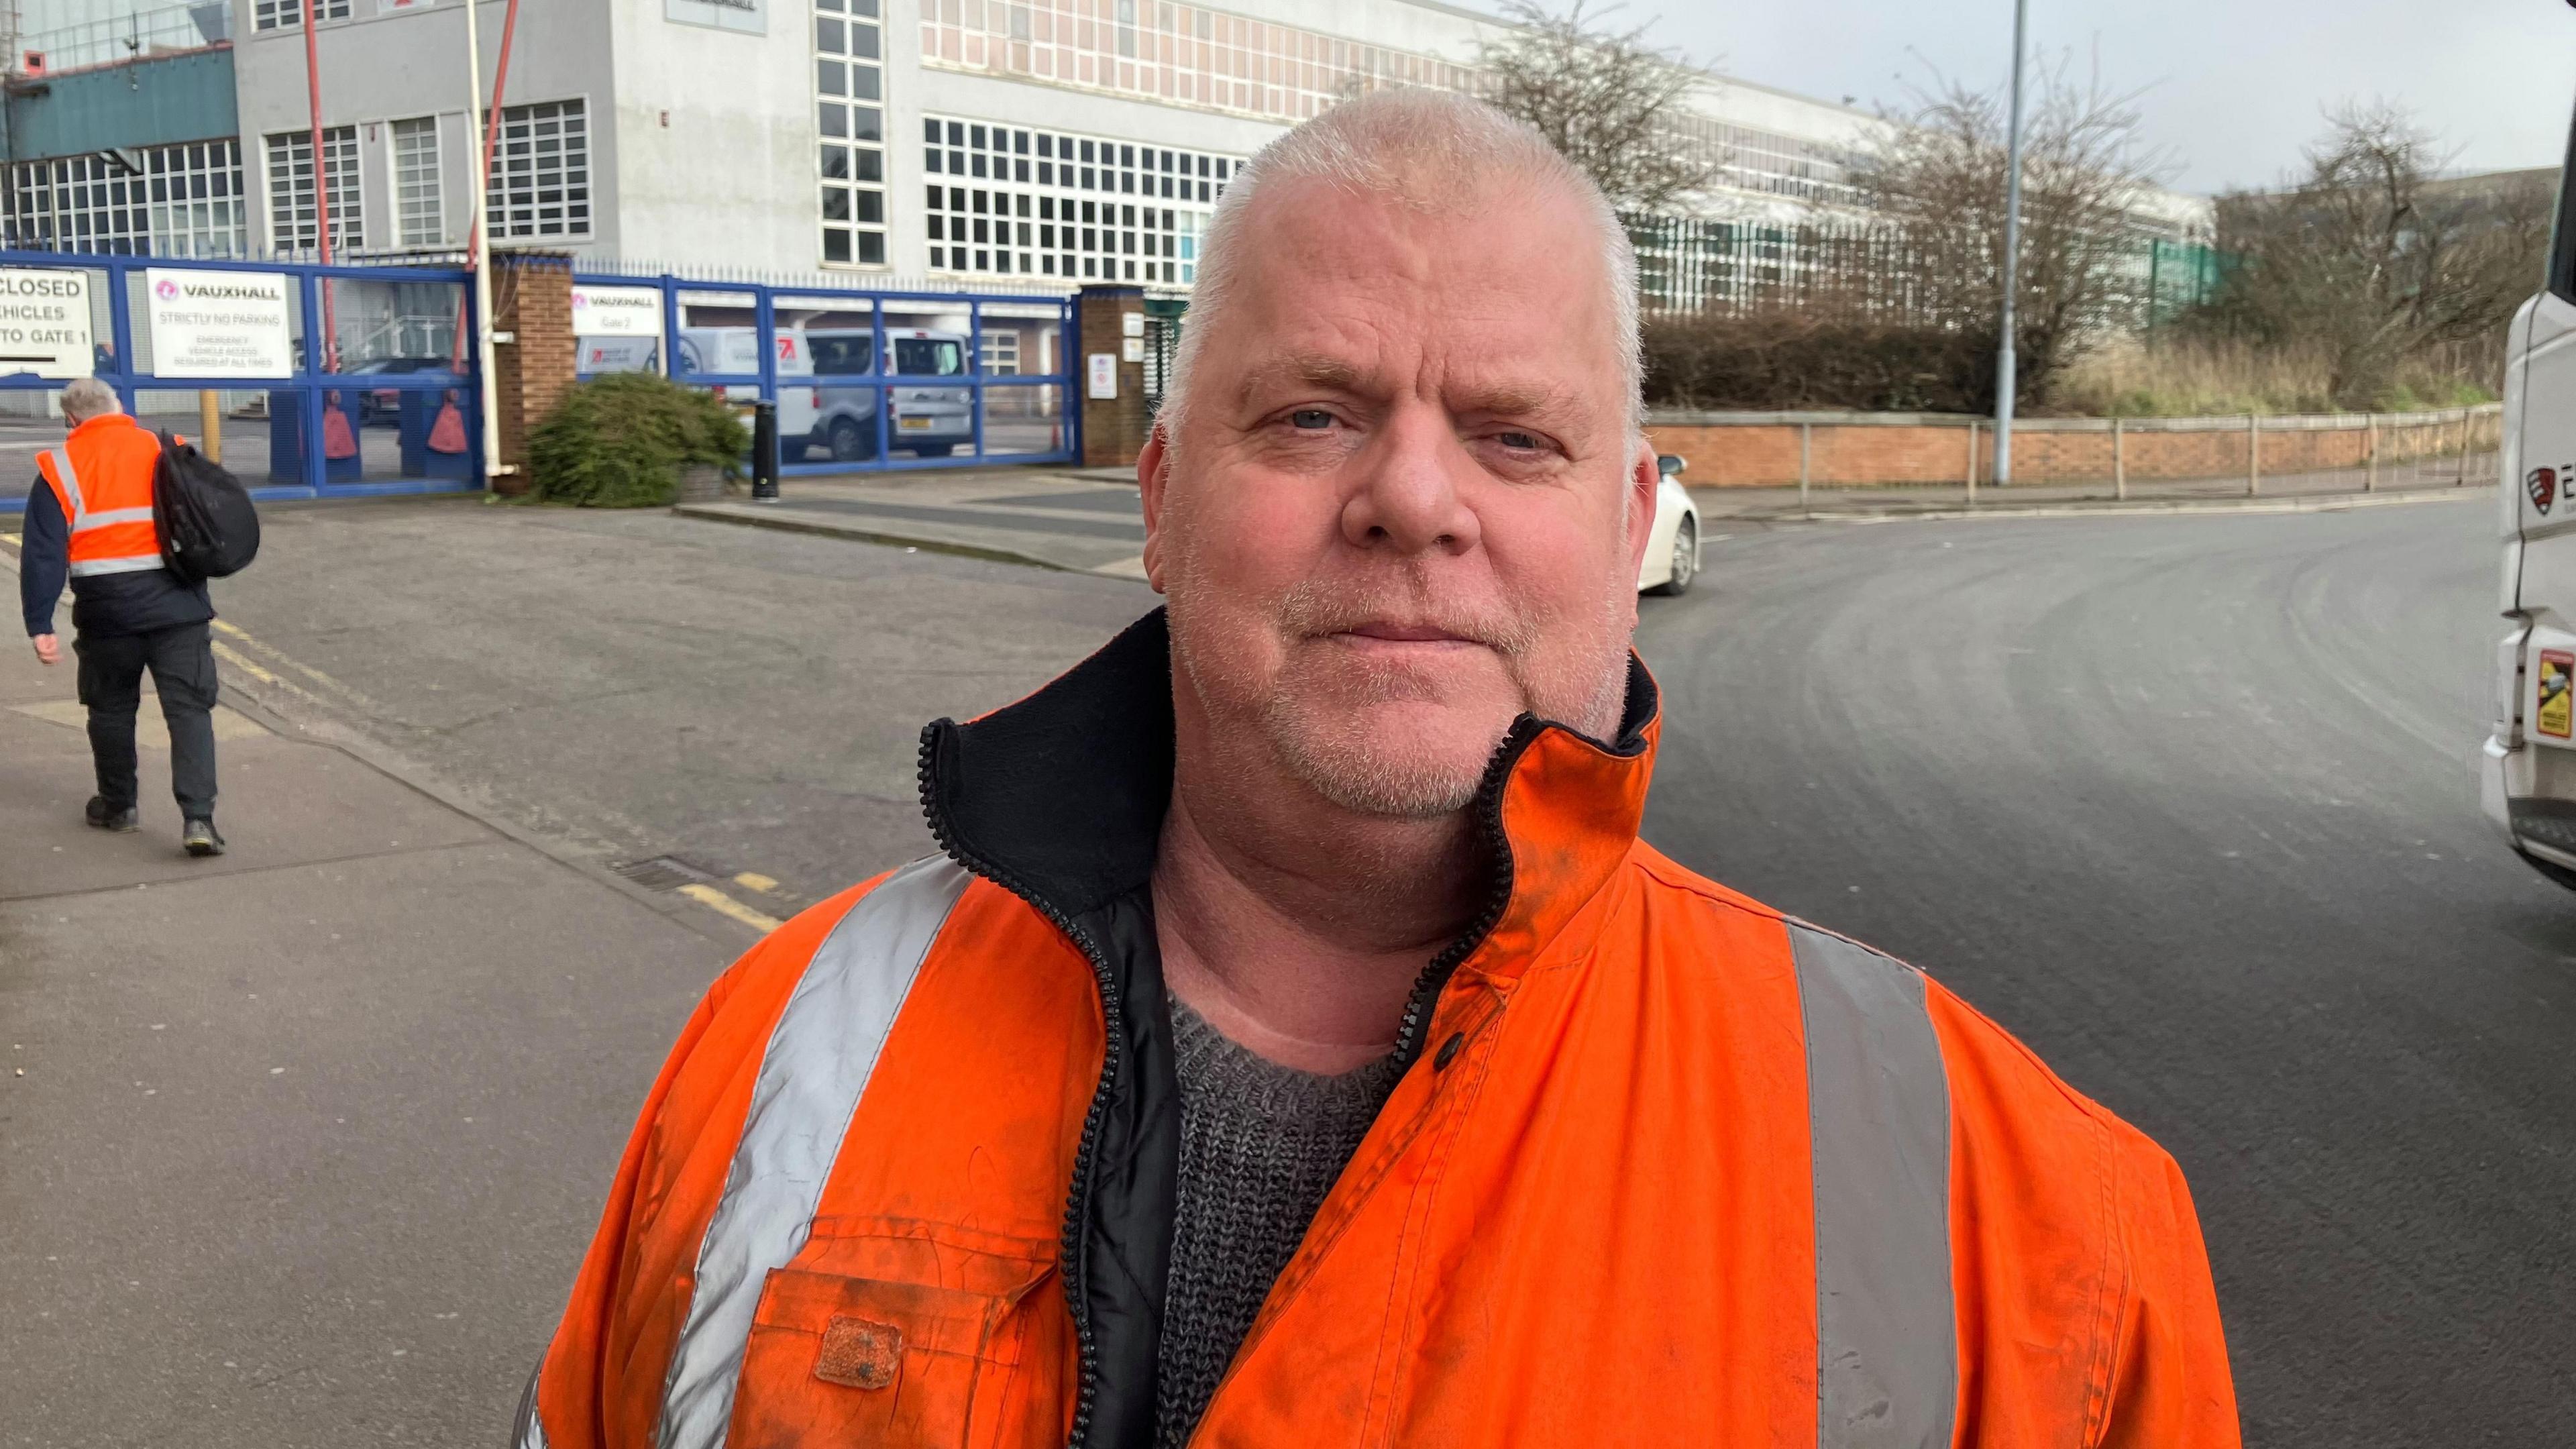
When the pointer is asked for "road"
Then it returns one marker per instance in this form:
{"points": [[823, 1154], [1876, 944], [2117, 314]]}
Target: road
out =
{"points": [[2185, 802]]}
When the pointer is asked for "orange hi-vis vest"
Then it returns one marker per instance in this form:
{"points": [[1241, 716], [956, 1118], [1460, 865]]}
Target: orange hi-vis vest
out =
{"points": [[1663, 1168], [102, 476]]}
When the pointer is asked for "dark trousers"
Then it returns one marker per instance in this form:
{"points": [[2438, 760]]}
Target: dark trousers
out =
{"points": [[182, 661]]}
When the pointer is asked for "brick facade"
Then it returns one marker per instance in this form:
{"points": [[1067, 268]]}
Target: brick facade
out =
{"points": [[1113, 429], [531, 372]]}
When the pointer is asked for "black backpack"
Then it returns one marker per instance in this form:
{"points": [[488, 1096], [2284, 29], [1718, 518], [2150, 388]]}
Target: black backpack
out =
{"points": [[203, 513]]}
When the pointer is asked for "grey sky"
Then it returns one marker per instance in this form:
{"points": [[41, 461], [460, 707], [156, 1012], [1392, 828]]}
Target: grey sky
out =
{"points": [[2234, 86]]}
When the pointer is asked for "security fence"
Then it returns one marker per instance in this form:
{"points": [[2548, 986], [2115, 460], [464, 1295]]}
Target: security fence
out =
{"points": [[864, 380], [2110, 458], [306, 381]]}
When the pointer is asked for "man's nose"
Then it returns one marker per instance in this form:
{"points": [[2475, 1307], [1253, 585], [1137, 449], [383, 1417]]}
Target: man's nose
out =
{"points": [[1410, 497]]}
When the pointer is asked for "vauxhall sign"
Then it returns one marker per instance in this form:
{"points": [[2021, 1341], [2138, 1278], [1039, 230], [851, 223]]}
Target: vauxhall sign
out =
{"points": [[219, 324]]}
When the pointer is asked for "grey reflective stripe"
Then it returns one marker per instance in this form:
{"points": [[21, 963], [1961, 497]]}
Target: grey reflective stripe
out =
{"points": [[71, 484], [89, 521], [1878, 1103], [132, 563], [530, 1430], [818, 1061]]}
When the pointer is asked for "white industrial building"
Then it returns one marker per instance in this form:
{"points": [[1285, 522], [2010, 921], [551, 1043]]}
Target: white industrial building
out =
{"points": [[1026, 144]]}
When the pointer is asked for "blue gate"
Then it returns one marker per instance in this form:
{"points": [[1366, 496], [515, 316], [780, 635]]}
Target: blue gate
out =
{"points": [[364, 386], [864, 380]]}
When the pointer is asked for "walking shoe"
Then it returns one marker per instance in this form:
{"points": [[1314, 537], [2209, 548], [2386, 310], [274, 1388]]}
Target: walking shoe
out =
{"points": [[101, 817], [201, 838]]}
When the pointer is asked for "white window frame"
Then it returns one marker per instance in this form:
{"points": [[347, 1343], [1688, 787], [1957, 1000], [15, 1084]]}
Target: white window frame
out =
{"points": [[341, 171], [420, 201], [515, 210], [289, 14]]}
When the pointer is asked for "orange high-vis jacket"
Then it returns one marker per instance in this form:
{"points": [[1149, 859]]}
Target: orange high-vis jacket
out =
{"points": [[102, 476], [1663, 1168]]}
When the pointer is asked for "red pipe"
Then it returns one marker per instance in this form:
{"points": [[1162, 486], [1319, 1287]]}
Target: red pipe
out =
{"points": [[330, 351]]}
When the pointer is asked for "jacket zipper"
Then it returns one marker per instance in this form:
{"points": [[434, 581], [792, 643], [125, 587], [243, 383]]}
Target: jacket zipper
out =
{"points": [[1488, 807], [1113, 1013]]}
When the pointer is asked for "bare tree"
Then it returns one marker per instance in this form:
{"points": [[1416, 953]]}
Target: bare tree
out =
{"points": [[1606, 98], [2374, 259], [1936, 170]]}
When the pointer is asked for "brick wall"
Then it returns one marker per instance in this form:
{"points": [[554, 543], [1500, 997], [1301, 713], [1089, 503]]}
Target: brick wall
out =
{"points": [[1113, 429], [1761, 451], [532, 306]]}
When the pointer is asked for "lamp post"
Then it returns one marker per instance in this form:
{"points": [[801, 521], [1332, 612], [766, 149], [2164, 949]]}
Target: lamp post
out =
{"points": [[2004, 363]]}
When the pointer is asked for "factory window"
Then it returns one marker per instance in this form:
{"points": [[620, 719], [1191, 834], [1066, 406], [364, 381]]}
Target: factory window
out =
{"points": [[849, 106], [182, 201], [292, 217], [541, 179], [287, 14], [417, 212], [1053, 230]]}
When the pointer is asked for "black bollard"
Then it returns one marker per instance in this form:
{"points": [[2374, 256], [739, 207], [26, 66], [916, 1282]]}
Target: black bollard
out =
{"points": [[764, 452]]}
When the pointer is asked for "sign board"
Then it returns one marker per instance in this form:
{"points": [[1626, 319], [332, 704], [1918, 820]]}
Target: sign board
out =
{"points": [[750, 17], [1104, 374], [616, 311], [44, 323], [219, 324], [397, 7], [1135, 348], [1131, 324]]}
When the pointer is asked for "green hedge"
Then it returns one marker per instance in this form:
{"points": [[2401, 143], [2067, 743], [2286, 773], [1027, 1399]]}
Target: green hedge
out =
{"points": [[620, 441]]}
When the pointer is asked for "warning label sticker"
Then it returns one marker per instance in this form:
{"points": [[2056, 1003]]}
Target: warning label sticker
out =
{"points": [[2556, 715]]}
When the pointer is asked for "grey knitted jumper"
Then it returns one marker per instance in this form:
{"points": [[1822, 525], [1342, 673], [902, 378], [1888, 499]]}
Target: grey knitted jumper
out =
{"points": [[1261, 1145]]}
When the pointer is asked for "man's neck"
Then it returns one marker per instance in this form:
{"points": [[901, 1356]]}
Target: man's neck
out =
{"points": [[1296, 931]]}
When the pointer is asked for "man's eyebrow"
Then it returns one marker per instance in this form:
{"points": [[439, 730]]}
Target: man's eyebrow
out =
{"points": [[1312, 370], [1518, 400]]}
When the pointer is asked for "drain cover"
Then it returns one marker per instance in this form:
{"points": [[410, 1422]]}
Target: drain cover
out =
{"points": [[662, 872]]}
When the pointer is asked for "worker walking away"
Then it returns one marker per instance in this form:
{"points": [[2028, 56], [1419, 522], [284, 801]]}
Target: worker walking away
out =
{"points": [[89, 520]]}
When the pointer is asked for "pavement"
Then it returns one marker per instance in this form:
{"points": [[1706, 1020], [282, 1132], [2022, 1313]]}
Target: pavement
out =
{"points": [[2188, 804], [302, 1143]]}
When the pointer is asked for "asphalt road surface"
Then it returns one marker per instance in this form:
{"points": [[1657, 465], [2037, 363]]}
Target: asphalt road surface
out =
{"points": [[2188, 805], [2185, 802]]}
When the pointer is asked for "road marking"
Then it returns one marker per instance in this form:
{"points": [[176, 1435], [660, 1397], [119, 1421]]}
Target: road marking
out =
{"points": [[756, 881], [10, 539], [281, 656], [240, 661], [725, 905]]}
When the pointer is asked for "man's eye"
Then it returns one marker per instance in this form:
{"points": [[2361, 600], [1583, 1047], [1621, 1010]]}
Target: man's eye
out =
{"points": [[1527, 441], [1310, 418]]}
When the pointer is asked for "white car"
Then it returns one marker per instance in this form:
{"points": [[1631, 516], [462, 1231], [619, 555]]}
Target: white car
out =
{"points": [[1672, 551]]}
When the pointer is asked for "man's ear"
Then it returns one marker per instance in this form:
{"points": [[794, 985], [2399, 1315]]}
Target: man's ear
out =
{"points": [[1644, 478], [1153, 471]]}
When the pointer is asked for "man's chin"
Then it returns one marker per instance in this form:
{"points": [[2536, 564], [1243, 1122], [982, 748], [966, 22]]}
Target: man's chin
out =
{"points": [[1399, 759]]}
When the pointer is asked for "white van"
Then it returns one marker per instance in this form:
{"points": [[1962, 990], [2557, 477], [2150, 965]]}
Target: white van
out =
{"points": [[736, 350], [931, 422], [2528, 778]]}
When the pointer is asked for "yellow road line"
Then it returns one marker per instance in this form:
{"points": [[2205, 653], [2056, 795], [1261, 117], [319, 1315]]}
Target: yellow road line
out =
{"points": [[291, 662], [756, 881], [725, 905], [10, 539], [238, 660]]}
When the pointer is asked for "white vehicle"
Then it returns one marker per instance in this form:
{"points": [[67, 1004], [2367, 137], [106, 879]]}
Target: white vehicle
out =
{"points": [[736, 350], [1672, 550], [930, 422], [2528, 778]]}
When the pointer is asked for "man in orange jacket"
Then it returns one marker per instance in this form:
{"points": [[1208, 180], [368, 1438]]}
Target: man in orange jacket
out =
{"points": [[1292, 1044], [89, 524]]}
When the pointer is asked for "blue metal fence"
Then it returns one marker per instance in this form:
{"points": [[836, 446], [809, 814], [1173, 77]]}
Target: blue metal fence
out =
{"points": [[373, 343], [904, 396]]}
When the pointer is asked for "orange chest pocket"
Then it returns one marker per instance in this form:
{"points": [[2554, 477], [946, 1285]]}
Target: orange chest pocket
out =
{"points": [[848, 1361]]}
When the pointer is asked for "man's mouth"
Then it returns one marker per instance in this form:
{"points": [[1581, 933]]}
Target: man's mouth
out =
{"points": [[1390, 632]]}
